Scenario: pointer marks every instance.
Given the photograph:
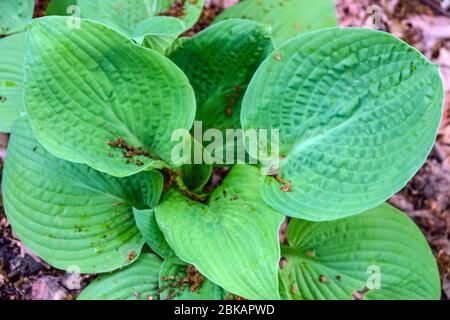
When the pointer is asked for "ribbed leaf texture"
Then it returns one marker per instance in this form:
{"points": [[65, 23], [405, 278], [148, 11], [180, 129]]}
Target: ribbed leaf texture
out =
{"points": [[138, 281], [69, 214], [219, 62], [232, 240], [126, 15], [147, 225], [377, 255], [357, 111], [178, 282], [286, 18], [90, 86]]}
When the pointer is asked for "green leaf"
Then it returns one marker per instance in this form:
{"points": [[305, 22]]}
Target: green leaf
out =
{"points": [[232, 240], [91, 86], [356, 119], [121, 15], [59, 7], [189, 15], [15, 16], [11, 80], [147, 225], [138, 281], [380, 254], [158, 33], [183, 282], [196, 176], [126, 15], [219, 62], [70, 214], [287, 18]]}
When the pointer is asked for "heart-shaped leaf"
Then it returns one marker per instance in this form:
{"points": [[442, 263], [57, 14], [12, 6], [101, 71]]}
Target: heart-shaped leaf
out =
{"points": [[356, 119], [11, 80], [380, 254], [158, 33], [95, 97], [219, 62], [16, 14], [236, 231], [287, 18], [126, 15], [147, 225], [70, 214], [138, 281], [184, 282]]}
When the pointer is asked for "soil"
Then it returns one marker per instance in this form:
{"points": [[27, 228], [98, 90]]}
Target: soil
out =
{"points": [[425, 24]]}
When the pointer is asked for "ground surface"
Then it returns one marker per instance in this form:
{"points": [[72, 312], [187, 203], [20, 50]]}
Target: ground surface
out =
{"points": [[425, 24]]}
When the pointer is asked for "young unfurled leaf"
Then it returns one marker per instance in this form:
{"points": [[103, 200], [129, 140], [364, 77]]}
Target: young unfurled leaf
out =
{"points": [[380, 254], [219, 62], [126, 15], [70, 214], [158, 33], [287, 18], [236, 231], [184, 282], [357, 119], [15, 15], [138, 281], [147, 225], [196, 175], [95, 97], [11, 80]]}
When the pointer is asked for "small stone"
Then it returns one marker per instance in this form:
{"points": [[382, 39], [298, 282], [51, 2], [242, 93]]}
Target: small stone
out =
{"points": [[72, 281], [48, 288]]}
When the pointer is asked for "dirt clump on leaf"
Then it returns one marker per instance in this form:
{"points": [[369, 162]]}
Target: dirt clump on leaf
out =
{"points": [[192, 280], [129, 151]]}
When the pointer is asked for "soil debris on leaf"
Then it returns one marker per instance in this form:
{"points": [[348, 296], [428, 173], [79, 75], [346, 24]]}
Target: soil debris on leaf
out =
{"points": [[131, 256], [231, 296], [310, 253], [129, 151], [323, 279], [192, 280]]}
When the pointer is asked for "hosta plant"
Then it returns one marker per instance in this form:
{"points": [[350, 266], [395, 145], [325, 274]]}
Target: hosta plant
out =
{"points": [[90, 183]]}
